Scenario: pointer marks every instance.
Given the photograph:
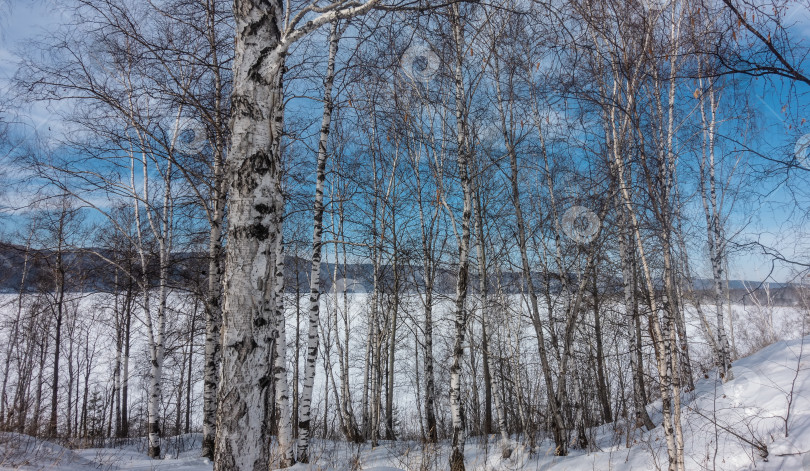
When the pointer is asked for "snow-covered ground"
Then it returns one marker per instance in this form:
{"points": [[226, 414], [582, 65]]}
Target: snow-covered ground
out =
{"points": [[726, 427]]}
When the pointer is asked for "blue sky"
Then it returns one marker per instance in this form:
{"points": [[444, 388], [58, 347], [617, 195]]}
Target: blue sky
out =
{"points": [[27, 19], [772, 217]]}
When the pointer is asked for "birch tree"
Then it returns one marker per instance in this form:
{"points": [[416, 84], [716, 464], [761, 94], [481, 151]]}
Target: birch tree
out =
{"points": [[264, 33], [714, 225], [315, 275], [463, 156]]}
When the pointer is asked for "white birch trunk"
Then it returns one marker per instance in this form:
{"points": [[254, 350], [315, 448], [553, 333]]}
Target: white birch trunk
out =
{"points": [[213, 322], [286, 442], [248, 314], [213, 306], [714, 229], [460, 321], [315, 275], [251, 309], [155, 327]]}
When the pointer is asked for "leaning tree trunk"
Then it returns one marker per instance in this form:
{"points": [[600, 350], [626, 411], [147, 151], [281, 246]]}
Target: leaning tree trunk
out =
{"points": [[315, 278], [254, 230], [660, 336]]}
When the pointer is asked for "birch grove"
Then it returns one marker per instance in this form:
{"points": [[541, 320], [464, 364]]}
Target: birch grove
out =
{"points": [[384, 223]]}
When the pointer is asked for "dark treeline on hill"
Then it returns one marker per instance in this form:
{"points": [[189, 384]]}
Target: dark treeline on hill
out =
{"points": [[90, 270]]}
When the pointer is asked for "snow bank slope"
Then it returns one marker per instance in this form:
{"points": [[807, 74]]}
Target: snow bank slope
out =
{"points": [[25, 452], [759, 420]]}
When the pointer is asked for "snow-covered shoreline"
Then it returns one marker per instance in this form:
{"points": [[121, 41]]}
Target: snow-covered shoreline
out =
{"points": [[723, 426]]}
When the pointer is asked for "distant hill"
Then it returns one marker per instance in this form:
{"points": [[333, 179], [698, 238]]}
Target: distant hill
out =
{"points": [[88, 271]]}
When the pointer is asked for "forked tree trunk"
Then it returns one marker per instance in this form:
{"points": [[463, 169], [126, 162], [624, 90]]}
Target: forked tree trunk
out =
{"points": [[618, 126], [350, 428], [156, 331]]}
